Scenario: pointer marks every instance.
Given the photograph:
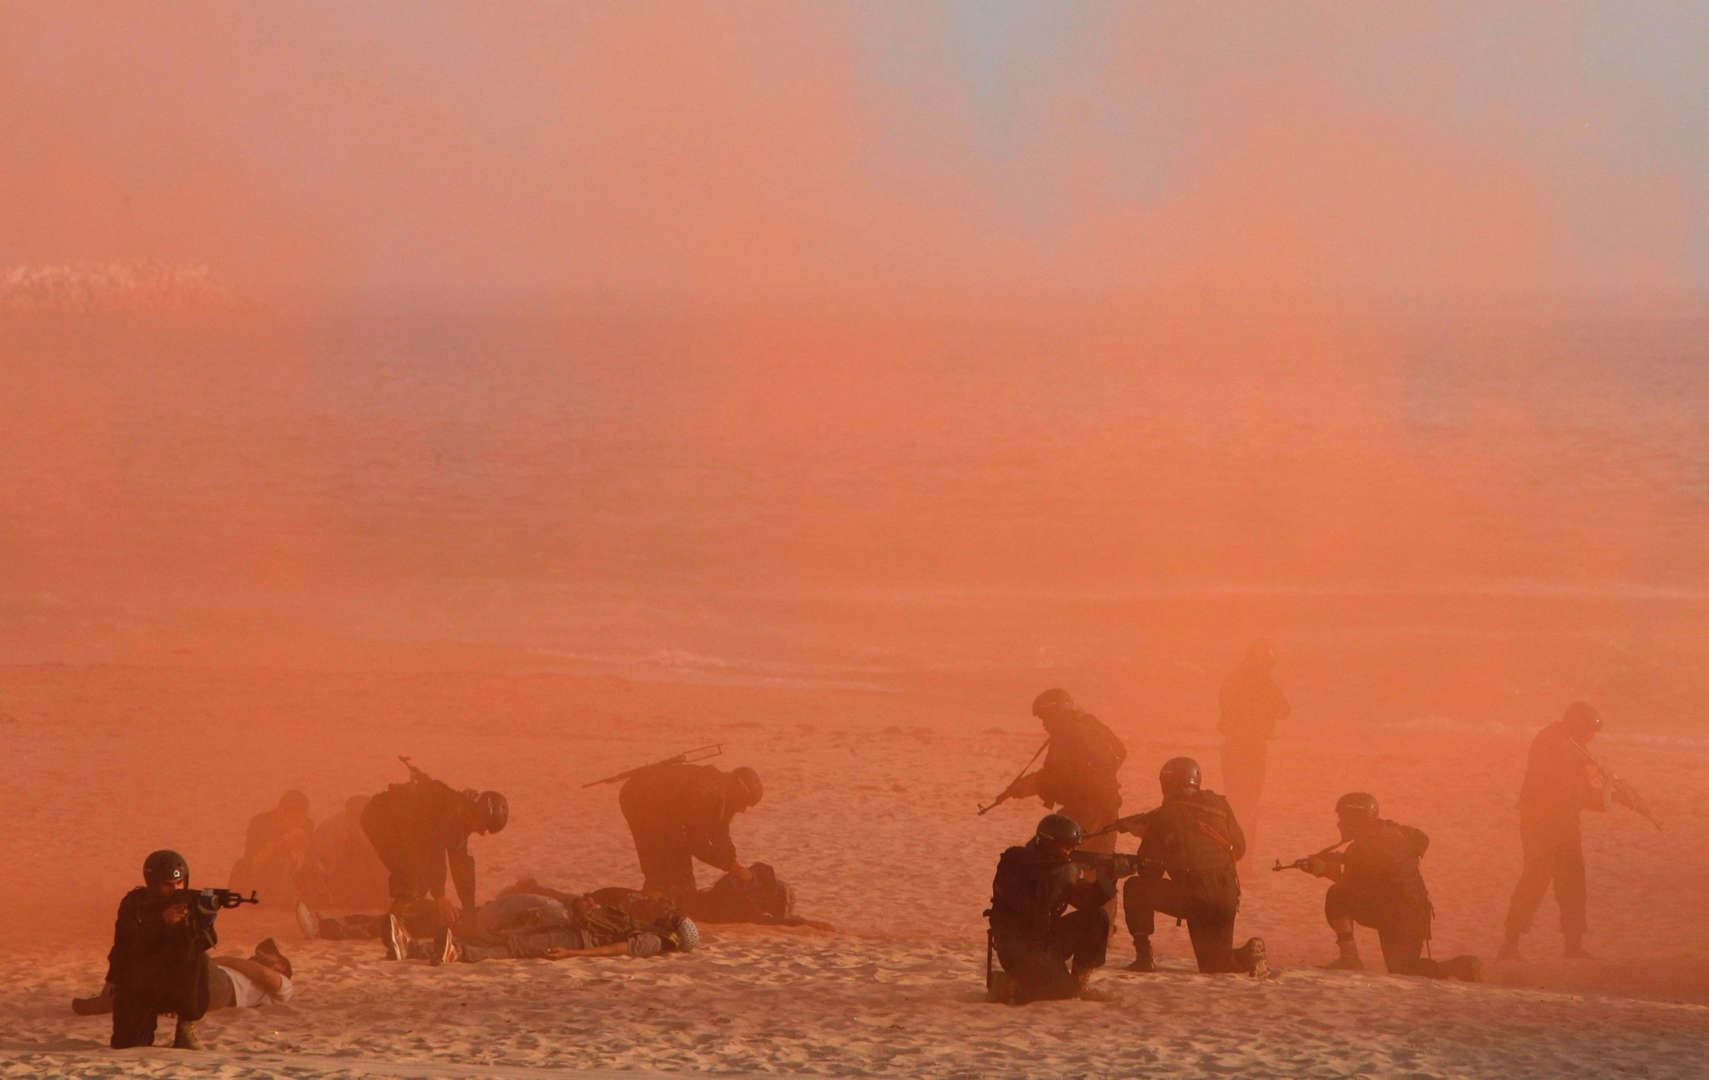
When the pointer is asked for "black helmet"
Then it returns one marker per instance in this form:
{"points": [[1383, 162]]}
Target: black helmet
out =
{"points": [[747, 781], [1179, 775], [1059, 829], [1582, 720], [1357, 804], [494, 809], [1053, 700], [165, 866]]}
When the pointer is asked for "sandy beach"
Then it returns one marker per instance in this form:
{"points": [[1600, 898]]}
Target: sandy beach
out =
{"points": [[869, 811]]}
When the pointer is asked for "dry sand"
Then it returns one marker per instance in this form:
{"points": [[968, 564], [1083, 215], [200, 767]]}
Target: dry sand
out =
{"points": [[869, 811]]}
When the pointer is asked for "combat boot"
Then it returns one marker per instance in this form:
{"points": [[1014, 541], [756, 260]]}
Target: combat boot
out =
{"points": [[93, 1006], [1085, 991], [1142, 960], [997, 989], [1250, 957], [1349, 958], [1575, 948], [1467, 968], [184, 1036], [1509, 952]]}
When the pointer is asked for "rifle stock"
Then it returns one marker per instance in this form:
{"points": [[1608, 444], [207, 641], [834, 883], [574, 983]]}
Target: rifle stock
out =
{"points": [[699, 753]]}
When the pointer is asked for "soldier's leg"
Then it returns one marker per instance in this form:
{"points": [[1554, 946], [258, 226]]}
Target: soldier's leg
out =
{"points": [[1340, 905], [134, 1020], [1211, 928], [1537, 848], [1568, 863], [1037, 971], [1083, 937], [1403, 954], [1143, 895]]}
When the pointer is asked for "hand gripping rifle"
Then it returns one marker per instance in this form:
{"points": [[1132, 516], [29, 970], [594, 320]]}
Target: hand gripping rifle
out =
{"points": [[1003, 796], [1305, 863], [1620, 790], [1114, 864], [699, 753]]}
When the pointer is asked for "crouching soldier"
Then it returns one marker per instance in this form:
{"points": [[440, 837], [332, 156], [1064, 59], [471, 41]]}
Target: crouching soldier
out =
{"points": [[1377, 883], [1187, 870], [1045, 950], [158, 963]]}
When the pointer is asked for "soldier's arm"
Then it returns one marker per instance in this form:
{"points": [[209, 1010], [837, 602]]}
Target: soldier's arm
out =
{"points": [[1025, 785], [260, 974], [124, 932], [462, 872], [1417, 842], [1236, 835]]}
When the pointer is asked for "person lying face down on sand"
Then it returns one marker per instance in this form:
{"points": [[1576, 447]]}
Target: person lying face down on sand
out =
{"points": [[1378, 883], [234, 982], [527, 925], [1037, 939]]}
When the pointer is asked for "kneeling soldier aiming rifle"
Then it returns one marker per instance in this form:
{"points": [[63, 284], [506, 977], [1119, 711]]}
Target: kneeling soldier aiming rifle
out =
{"points": [[1186, 869], [1377, 882]]}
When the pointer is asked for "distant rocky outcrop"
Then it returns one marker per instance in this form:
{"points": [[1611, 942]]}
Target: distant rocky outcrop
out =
{"points": [[116, 286]]}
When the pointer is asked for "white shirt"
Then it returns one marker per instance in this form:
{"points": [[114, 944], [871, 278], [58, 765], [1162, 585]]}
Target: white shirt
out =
{"points": [[250, 993]]}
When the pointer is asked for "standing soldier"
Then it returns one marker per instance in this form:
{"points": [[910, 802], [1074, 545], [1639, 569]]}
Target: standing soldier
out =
{"points": [[678, 813], [1078, 776], [1251, 705], [1194, 839], [1561, 781], [1377, 882]]}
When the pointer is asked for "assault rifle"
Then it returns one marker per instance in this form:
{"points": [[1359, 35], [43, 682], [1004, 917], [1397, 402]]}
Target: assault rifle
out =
{"points": [[415, 772], [1003, 796], [1305, 863], [1113, 863], [206, 901], [699, 753], [1620, 790], [1133, 823], [210, 899]]}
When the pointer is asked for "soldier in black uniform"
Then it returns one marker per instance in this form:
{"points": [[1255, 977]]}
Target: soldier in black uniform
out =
{"points": [[1251, 705], [1561, 782], [1078, 776], [679, 813], [1047, 952], [158, 963], [418, 828], [1377, 883], [1187, 855]]}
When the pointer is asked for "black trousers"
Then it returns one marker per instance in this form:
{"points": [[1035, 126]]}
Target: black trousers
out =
{"points": [[1402, 938], [1554, 855], [1040, 969], [137, 1008], [667, 865], [420, 918], [1210, 922]]}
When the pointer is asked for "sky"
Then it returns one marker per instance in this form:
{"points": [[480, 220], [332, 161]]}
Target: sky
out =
{"points": [[766, 149]]}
